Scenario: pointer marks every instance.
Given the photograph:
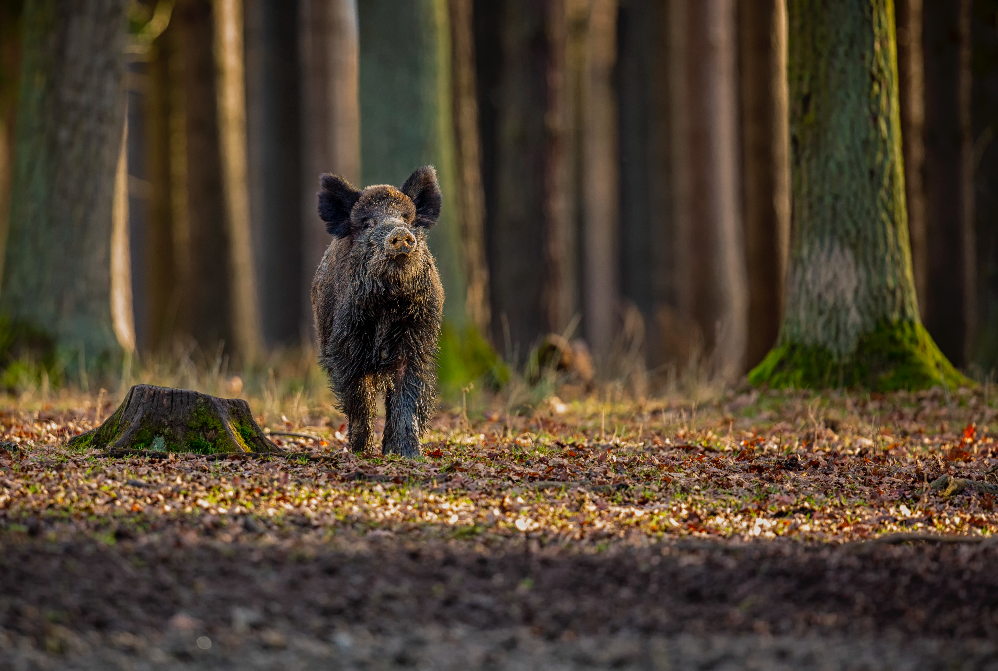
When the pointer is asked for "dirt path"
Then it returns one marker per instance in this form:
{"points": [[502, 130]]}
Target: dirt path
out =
{"points": [[175, 601], [461, 650]]}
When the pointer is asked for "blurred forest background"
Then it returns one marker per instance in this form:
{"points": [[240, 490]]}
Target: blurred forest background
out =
{"points": [[614, 171]]}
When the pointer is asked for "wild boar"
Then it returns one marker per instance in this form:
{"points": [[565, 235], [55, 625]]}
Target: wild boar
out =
{"points": [[378, 304]]}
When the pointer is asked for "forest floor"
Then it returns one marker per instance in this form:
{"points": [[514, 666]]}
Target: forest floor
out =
{"points": [[756, 530]]}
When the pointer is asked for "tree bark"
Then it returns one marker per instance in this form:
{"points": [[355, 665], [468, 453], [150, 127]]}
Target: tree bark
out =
{"points": [[647, 193], [122, 315], [911, 84], [165, 167], [275, 165], [765, 167], [56, 278], [984, 32], [601, 292], [205, 310], [231, 92], [526, 221], [160, 419], [10, 71], [712, 276], [210, 202], [851, 315], [949, 301], [405, 65], [469, 196], [565, 238], [330, 127]]}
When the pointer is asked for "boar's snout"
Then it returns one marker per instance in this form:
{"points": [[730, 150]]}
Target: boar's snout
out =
{"points": [[400, 241]]}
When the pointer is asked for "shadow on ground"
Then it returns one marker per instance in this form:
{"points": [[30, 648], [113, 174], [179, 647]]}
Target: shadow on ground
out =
{"points": [[180, 601]]}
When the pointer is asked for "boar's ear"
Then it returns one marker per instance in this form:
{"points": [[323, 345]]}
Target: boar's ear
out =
{"points": [[424, 191], [336, 200]]}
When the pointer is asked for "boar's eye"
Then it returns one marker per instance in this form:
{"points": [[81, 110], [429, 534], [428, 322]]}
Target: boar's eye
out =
{"points": [[367, 222]]}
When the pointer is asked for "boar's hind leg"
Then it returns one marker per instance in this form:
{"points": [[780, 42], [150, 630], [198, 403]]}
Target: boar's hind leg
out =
{"points": [[359, 406], [404, 421]]}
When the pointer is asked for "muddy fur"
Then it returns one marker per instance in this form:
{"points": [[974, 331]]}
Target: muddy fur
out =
{"points": [[378, 308]]}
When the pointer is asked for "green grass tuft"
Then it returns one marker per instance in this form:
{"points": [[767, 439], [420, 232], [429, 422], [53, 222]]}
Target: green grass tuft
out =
{"points": [[466, 357]]}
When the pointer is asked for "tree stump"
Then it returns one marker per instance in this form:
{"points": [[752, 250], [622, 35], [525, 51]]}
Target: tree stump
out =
{"points": [[161, 419]]}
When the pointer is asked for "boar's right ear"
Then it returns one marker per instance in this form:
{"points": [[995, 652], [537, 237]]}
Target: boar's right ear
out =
{"points": [[336, 200]]}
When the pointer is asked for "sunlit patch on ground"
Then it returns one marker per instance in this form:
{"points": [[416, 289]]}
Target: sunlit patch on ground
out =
{"points": [[829, 469]]}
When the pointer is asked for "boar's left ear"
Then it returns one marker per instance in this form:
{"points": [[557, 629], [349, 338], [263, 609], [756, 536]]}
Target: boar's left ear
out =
{"points": [[424, 191], [336, 200]]}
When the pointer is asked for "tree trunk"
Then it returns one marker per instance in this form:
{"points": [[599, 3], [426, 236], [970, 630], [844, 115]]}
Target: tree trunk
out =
{"points": [[211, 206], [565, 238], [949, 301], [405, 64], [160, 419], [10, 71], [601, 293], [122, 315], [526, 220], [275, 165], [851, 315], [765, 167], [330, 127], [646, 190], [984, 33], [712, 276], [231, 92], [469, 195], [205, 308], [911, 84], [165, 164], [57, 273]]}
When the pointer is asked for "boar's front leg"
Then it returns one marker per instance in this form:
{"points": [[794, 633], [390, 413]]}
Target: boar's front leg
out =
{"points": [[359, 406], [405, 406]]}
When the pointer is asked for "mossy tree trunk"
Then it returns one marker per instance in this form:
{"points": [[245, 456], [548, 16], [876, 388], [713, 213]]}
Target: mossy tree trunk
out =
{"points": [[851, 316], [161, 419], [57, 274]]}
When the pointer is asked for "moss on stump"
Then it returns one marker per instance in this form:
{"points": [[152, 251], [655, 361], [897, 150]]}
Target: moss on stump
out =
{"points": [[162, 419], [900, 355]]}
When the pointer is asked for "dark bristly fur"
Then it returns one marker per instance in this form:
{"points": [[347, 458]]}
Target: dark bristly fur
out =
{"points": [[377, 308]]}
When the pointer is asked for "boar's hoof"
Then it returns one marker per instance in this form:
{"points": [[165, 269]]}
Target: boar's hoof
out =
{"points": [[402, 448]]}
